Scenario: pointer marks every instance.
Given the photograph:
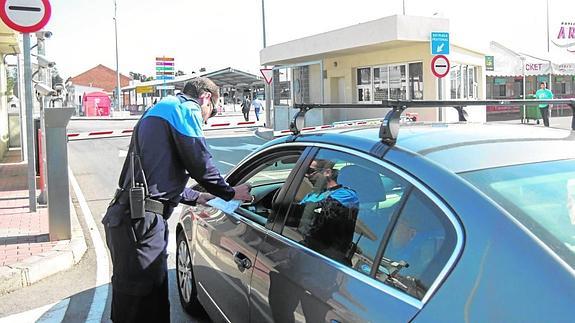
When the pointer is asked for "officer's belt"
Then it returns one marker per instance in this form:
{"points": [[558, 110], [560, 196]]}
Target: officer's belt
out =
{"points": [[150, 205]]}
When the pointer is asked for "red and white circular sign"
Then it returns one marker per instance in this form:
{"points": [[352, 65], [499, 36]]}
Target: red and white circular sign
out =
{"points": [[26, 16], [440, 66]]}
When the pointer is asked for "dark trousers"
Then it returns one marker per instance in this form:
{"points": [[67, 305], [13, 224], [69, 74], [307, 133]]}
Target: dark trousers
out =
{"points": [[140, 269], [246, 114], [545, 115]]}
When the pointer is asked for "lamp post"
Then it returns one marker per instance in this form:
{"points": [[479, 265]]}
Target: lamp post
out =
{"points": [[118, 101], [267, 87]]}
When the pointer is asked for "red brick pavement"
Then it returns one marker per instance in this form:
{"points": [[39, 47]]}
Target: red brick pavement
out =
{"points": [[22, 234]]}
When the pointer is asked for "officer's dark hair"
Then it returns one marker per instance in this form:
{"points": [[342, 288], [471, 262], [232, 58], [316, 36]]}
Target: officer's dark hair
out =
{"points": [[544, 83], [199, 85]]}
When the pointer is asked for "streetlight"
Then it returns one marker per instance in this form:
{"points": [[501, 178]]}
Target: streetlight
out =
{"points": [[118, 101]]}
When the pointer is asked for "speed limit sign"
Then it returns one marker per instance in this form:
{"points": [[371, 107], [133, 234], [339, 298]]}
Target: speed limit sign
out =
{"points": [[25, 16]]}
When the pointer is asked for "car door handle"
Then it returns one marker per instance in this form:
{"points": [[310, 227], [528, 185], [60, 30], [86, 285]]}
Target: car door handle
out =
{"points": [[242, 260], [202, 224]]}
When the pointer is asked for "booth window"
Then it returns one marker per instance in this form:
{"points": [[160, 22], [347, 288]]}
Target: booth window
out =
{"points": [[282, 86], [463, 81], [416, 81], [398, 82], [364, 84]]}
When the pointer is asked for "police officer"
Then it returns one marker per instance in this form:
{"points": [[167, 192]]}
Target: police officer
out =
{"points": [[167, 148]]}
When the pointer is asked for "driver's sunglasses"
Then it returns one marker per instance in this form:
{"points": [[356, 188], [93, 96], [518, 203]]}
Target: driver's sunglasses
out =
{"points": [[214, 109], [312, 171]]}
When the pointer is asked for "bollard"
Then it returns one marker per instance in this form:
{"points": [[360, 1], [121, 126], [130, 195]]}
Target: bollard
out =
{"points": [[58, 189], [41, 168]]}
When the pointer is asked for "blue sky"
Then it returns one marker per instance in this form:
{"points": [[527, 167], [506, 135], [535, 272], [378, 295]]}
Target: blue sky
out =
{"points": [[222, 33]]}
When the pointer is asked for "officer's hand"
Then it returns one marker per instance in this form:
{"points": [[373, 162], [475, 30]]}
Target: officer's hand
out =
{"points": [[243, 192], [204, 198]]}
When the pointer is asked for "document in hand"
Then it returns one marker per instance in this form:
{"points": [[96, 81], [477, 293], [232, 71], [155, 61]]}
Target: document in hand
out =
{"points": [[227, 207]]}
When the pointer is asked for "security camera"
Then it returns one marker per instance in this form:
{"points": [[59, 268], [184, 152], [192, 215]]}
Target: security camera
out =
{"points": [[43, 89], [45, 62], [43, 34]]}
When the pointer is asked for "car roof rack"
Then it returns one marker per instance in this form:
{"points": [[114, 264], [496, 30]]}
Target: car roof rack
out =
{"points": [[389, 128]]}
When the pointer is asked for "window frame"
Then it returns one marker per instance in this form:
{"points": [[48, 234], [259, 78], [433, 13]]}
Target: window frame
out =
{"points": [[246, 168], [372, 84], [370, 279]]}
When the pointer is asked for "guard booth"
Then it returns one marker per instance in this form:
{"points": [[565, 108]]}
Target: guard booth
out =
{"points": [[388, 58], [96, 104]]}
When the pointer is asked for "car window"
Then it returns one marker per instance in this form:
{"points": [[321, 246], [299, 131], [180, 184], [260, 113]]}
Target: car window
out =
{"points": [[267, 178], [539, 195], [421, 242], [342, 208]]}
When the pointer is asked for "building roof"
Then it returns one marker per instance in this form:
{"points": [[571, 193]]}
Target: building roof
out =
{"points": [[224, 77], [368, 36], [101, 77]]}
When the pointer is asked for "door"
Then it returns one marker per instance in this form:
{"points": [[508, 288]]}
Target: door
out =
{"points": [[226, 245], [319, 265]]}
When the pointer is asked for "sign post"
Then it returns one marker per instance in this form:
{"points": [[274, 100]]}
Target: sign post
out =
{"points": [[27, 16], [164, 71], [267, 73]]}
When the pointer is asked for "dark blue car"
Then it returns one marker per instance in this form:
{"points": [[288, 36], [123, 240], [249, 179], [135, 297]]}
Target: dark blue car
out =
{"points": [[452, 223]]}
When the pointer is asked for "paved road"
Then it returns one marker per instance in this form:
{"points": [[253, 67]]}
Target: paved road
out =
{"points": [[96, 165]]}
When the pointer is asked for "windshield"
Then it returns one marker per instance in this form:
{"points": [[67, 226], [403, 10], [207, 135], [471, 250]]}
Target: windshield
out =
{"points": [[540, 195]]}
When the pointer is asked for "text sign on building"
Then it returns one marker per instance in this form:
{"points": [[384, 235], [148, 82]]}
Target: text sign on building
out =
{"points": [[440, 66], [565, 35], [489, 63], [439, 43], [164, 68], [25, 16], [145, 89]]}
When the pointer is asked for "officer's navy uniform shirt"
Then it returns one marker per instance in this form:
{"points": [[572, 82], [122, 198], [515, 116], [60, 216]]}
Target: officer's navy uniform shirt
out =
{"points": [[173, 148]]}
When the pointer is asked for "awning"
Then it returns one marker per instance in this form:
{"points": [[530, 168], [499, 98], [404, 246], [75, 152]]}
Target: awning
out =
{"points": [[228, 77], [234, 78]]}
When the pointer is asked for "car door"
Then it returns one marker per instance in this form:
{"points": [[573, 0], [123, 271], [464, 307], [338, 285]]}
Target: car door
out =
{"points": [[226, 244], [326, 275]]}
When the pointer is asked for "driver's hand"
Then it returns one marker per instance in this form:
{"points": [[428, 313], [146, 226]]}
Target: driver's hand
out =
{"points": [[204, 198], [243, 192]]}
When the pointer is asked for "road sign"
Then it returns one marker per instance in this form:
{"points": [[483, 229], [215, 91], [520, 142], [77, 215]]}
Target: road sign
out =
{"points": [[439, 43], [440, 66], [25, 16], [145, 89], [164, 77], [267, 74]]}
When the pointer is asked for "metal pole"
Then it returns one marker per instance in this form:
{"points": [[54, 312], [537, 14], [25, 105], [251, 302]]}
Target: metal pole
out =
{"points": [[547, 26], [118, 101], [403, 7], [29, 124], [264, 22], [267, 87]]}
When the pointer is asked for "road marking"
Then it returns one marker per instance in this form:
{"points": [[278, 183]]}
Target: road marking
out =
{"points": [[172, 236], [122, 153], [99, 300], [226, 163], [46, 314]]}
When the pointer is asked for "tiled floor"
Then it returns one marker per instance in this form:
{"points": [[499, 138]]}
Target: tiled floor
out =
{"points": [[22, 234]]}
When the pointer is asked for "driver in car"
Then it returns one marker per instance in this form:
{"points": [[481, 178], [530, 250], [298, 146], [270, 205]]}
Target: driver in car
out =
{"points": [[329, 213]]}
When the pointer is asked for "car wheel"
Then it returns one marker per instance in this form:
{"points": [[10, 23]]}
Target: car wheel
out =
{"points": [[185, 276]]}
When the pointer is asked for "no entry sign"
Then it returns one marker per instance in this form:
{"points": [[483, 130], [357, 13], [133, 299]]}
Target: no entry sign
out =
{"points": [[440, 66], [25, 16]]}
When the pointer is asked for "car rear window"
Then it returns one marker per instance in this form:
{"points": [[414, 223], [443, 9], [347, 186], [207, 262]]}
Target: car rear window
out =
{"points": [[539, 195]]}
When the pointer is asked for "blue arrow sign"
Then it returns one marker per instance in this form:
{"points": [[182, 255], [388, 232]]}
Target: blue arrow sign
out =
{"points": [[439, 43]]}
